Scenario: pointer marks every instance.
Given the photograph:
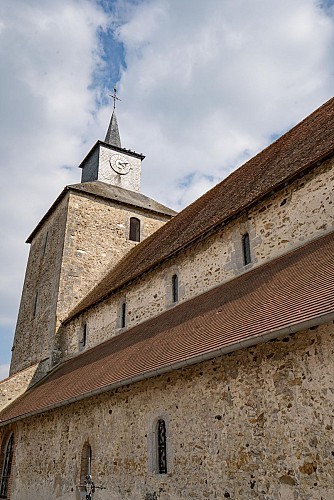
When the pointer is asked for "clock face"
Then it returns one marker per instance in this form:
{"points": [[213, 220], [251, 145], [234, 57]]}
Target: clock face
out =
{"points": [[120, 164]]}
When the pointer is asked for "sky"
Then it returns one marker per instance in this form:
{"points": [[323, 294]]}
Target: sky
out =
{"points": [[203, 86]]}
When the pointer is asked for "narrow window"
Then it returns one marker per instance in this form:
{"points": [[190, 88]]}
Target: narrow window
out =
{"points": [[84, 336], [246, 249], [7, 466], [86, 463], [161, 447], [123, 315], [45, 243], [134, 229], [34, 310], [175, 288]]}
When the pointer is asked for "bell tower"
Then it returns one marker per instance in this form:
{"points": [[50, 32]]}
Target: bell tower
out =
{"points": [[82, 236], [110, 163]]}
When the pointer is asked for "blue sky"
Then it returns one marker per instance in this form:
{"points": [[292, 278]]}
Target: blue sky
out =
{"points": [[204, 86]]}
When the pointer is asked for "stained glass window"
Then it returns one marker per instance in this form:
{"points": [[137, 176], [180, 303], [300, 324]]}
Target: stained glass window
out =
{"points": [[162, 448], [7, 466]]}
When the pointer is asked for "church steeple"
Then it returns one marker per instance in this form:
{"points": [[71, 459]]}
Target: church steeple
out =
{"points": [[108, 162], [113, 137]]}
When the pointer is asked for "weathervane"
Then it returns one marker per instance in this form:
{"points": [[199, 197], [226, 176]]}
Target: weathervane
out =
{"points": [[114, 96]]}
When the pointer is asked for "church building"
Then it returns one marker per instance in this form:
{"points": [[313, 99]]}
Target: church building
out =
{"points": [[167, 356]]}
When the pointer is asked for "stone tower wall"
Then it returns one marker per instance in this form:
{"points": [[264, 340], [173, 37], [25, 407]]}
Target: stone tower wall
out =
{"points": [[36, 319], [73, 249], [97, 237]]}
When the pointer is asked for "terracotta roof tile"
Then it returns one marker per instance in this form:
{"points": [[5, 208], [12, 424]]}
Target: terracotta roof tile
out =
{"points": [[302, 147], [286, 292]]}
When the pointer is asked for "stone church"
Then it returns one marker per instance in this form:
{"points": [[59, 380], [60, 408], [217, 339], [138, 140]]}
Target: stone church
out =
{"points": [[164, 356]]}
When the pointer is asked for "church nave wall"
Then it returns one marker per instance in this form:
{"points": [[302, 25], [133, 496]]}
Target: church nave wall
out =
{"points": [[256, 423], [284, 221]]}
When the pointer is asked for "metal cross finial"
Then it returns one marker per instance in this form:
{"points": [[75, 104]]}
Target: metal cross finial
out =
{"points": [[114, 96]]}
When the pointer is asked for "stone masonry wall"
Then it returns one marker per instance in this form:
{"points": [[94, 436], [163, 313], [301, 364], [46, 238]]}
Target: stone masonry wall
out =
{"points": [[297, 214], [36, 319], [257, 423], [97, 237], [12, 387], [74, 248]]}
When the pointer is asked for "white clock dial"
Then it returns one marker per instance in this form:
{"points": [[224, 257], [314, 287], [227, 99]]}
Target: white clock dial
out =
{"points": [[120, 164]]}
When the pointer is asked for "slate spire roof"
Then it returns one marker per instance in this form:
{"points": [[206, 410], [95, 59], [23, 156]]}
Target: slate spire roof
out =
{"points": [[113, 138]]}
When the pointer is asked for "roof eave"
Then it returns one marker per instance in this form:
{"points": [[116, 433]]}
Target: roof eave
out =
{"points": [[234, 346]]}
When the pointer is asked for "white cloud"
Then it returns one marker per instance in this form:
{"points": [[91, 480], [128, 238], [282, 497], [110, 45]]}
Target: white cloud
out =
{"points": [[4, 371], [48, 53], [207, 84]]}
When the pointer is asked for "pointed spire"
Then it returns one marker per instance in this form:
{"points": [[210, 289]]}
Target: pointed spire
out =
{"points": [[113, 137]]}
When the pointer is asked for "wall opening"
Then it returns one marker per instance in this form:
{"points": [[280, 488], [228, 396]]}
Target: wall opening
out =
{"points": [[175, 288], [161, 446], [34, 309], [134, 229], [7, 466], [246, 249], [123, 315], [83, 341]]}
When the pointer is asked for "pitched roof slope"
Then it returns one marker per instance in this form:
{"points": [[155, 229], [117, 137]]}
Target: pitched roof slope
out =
{"points": [[109, 192], [123, 196], [284, 293], [302, 147]]}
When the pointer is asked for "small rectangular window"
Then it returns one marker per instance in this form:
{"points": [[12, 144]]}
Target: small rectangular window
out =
{"points": [[45, 243], [162, 447], [84, 336], [123, 315], [246, 249], [175, 288], [134, 229], [34, 309]]}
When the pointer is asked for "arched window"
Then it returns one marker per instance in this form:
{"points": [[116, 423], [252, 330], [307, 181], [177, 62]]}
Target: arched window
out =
{"points": [[86, 462], [175, 288], [7, 466], [161, 446], [246, 249], [134, 229]]}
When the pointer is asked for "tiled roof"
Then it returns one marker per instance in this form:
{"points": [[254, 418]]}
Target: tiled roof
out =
{"points": [[290, 293], [109, 192], [301, 148], [123, 196]]}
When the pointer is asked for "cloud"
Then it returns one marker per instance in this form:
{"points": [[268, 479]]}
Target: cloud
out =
{"points": [[49, 52], [208, 84], [4, 370]]}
